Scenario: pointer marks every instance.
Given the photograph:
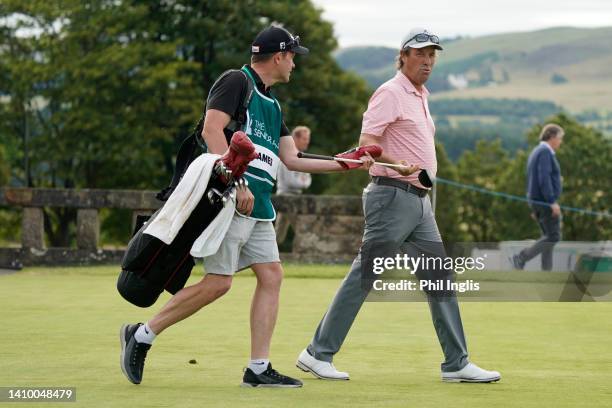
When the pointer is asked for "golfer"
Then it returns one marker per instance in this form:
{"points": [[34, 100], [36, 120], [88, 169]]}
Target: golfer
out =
{"points": [[397, 209], [250, 240]]}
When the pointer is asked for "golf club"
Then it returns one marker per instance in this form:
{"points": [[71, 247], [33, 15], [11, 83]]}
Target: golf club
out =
{"points": [[426, 179], [322, 157]]}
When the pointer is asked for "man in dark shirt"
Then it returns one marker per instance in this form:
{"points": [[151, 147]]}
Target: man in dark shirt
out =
{"points": [[543, 191], [229, 93]]}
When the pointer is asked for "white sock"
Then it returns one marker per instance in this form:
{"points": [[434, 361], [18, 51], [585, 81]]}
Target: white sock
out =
{"points": [[259, 365], [144, 334]]}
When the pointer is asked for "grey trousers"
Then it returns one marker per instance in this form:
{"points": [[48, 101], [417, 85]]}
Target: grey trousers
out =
{"points": [[391, 214], [551, 234]]}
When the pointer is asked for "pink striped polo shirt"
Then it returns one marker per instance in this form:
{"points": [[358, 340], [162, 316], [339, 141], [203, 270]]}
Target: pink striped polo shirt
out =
{"points": [[399, 115]]}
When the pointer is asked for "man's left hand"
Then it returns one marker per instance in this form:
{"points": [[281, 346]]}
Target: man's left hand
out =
{"points": [[556, 209]]}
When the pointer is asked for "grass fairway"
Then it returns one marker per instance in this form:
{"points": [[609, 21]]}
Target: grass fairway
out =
{"points": [[59, 327]]}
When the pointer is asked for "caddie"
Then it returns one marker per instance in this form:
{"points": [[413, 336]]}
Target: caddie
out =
{"points": [[250, 240]]}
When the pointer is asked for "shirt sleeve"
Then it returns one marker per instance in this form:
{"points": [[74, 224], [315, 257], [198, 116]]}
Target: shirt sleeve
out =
{"points": [[306, 180], [227, 95], [280, 177], [292, 181], [383, 109]]}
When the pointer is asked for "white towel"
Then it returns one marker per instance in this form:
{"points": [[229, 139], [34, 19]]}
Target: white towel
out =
{"points": [[180, 205], [209, 241]]}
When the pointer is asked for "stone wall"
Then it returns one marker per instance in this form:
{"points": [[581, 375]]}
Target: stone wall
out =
{"points": [[328, 228]]}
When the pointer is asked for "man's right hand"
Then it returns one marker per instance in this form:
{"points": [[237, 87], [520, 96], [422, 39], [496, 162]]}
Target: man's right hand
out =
{"points": [[244, 200], [556, 210]]}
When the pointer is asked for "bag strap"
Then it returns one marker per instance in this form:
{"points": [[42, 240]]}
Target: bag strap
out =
{"points": [[188, 147], [241, 117]]}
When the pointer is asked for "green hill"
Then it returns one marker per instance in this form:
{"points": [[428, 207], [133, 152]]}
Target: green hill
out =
{"points": [[571, 67]]}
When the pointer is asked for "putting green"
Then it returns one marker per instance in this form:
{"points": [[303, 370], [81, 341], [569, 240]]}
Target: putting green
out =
{"points": [[59, 327]]}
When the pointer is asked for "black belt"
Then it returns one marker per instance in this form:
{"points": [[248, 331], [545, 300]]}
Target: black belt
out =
{"points": [[388, 181]]}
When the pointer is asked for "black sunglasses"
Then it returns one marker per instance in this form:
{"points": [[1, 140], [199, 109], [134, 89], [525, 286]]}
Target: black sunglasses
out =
{"points": [[423, 37]]}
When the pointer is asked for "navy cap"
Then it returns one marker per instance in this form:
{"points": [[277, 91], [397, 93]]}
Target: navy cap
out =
{"points": [[276, 39]]}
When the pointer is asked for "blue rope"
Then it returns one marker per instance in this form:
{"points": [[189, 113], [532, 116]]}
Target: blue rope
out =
{"points": [[518, 198]]}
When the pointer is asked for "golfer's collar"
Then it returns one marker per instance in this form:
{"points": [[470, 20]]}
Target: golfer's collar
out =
{"points": [[258, 82], [409, 86], [548, 146]]}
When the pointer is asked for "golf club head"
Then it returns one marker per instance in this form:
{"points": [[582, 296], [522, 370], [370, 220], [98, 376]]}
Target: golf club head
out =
{"points": [[355, 154], [426, 179], [240, 153]]}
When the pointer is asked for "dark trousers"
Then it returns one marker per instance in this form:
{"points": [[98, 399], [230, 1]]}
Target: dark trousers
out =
{"points": [[551, 234]]}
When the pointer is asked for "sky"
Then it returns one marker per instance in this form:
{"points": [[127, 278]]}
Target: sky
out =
{"points": [[386, 22]]}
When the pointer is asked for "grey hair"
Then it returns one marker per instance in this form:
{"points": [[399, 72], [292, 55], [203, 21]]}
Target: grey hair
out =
{"points": [[550, 131]]}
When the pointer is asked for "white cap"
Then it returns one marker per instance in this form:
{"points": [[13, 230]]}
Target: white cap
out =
{"points": [[411, 41]]}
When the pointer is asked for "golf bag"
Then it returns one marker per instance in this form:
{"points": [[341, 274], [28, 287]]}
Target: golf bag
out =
{"points": [[150, 266]]}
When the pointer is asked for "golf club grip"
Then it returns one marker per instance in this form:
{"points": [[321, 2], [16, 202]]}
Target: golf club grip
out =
{"points": [[303, 155]]}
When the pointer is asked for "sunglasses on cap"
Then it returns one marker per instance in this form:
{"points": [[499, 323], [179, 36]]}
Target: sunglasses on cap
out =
{"points": [[295, 42], [423, 37]]}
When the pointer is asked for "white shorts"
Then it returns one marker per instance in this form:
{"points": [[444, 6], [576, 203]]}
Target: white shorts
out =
{"points": [[247, 242]]}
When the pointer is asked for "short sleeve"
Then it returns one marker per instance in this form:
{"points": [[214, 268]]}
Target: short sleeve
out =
{"points": [[228, 93], [383, 109]]}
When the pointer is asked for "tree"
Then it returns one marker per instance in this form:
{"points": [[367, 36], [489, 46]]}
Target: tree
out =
{"points": [[447, 199], [557, 79], [478, 215], [9, 218], [216, 35], [4, 167], [94, 95], [100, 93]]}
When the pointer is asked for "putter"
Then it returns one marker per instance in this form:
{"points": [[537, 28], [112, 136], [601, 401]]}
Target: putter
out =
{"points": [[426, 179]]}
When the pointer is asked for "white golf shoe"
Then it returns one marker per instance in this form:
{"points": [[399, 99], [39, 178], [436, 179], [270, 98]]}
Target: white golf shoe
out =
{"points": [[320, 369], [471, 373]]}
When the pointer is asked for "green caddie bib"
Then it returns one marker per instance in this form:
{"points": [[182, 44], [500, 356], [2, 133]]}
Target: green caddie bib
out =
{"points": [[263, 127]]}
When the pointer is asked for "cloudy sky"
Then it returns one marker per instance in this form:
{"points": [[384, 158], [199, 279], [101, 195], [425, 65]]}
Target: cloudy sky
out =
{"points": [[385, 22]]}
